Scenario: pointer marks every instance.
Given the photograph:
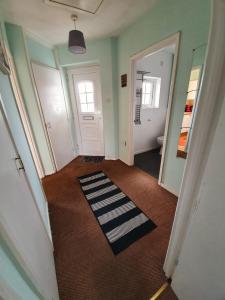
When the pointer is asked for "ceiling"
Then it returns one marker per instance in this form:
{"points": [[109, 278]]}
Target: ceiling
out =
{"points": [[51, 24]]}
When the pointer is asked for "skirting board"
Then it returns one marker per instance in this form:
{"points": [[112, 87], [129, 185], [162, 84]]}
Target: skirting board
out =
{"points": [[145, 150], [49, 173], [168, 189], [111, 158]]}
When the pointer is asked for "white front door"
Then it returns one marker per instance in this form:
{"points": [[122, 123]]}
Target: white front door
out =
{"points": [[50, 92], [88, 108], [21, 224]]}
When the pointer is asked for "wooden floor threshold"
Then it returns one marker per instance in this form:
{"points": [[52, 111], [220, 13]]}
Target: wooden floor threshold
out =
{"points": [[161, 290]]}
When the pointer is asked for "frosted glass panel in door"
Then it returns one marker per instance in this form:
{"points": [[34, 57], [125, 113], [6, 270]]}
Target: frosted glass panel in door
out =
{"points": [[86, 96]]}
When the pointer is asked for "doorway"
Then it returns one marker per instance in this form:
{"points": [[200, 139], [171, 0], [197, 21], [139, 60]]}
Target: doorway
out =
{"points": [[152, 79], [85, 89]]}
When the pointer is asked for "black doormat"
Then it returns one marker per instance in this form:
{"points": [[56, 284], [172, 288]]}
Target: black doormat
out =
{"points": [[93, 159], [120, 219]]}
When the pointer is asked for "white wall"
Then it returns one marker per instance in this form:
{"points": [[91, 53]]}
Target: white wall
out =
{"points": [[153, 119], [200, 273]]}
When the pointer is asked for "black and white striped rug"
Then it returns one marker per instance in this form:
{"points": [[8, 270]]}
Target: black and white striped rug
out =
{"points": [[120, 219]]}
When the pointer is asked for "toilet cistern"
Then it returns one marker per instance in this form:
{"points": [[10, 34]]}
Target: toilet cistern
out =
{"points": [[160, 140]]}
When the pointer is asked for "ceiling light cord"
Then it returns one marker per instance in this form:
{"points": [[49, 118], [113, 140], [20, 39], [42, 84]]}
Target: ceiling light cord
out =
{"points": [[74, 19]]}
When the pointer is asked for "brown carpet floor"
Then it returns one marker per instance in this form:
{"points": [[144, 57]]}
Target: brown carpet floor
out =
{"points": [[86, 267]]}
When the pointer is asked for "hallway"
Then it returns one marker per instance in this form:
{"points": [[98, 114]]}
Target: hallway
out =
{"points": [[85, 265]]}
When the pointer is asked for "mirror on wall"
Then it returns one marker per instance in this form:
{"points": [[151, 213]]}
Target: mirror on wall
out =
{"points": [[191, 101]]}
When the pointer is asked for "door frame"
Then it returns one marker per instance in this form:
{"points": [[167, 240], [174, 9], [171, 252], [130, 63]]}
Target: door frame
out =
{"points": [[210, 100], [76, 124], [173, 39], [30, 70], [24, 117]]}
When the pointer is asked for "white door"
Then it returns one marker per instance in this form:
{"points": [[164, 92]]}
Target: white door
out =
{"points": [[20, 222], [50, 92], [87, 89]]}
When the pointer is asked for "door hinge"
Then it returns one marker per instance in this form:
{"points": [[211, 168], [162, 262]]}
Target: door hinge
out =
{"points": [[19, 163]]}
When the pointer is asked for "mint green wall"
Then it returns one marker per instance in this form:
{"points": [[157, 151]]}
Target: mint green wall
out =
{"points": [[40, 53], [115, 83], [101, 52], [199, 56], [17, 47], [112, 54], [166, 18], [11, 274]]}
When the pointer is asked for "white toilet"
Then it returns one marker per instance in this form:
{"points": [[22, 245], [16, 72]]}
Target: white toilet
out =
{"points": [[160, 140]]}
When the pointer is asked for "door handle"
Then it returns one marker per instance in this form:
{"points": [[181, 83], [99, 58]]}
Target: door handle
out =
{"points": [[19, 163]]}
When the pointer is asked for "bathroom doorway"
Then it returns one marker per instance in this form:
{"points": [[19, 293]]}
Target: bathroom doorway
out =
{"points": [[152, 75]]}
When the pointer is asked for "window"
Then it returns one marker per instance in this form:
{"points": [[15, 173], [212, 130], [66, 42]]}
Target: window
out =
{"points": [[86, 94], [151, 92]]}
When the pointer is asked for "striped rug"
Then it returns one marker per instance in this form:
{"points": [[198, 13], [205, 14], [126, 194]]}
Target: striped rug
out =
{"points": [[120, 219]]}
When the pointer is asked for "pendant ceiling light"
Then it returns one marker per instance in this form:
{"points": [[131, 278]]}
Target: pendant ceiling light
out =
{"points": [[76, 39]]}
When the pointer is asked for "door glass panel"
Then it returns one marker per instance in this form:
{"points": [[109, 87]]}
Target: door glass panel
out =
{"points": [[86, 96], [90, 98], [91, 107], [82, 98], [89, 87], [81, 87], [84, 108]]}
